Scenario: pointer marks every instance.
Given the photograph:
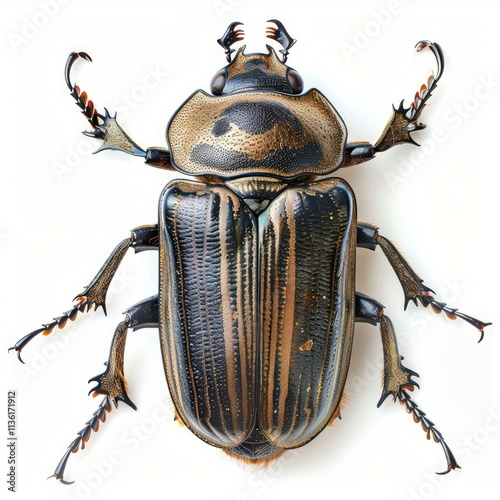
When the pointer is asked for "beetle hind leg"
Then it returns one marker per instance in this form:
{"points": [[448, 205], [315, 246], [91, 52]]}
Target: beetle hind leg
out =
{"points": [[429, 429], [82, 438], [396, 376], [397, 379], [111, 383]]}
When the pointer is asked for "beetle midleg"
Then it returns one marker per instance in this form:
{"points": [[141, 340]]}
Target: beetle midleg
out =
{"points": [[142, 238], [396, 377], [413, 287], [112, 382]]}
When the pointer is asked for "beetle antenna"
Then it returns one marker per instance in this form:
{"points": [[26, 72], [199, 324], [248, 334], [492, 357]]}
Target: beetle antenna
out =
{"points": [[280, 34], [230, 37]]}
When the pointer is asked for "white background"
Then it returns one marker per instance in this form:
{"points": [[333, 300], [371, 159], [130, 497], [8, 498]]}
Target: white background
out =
{"points": [[64, 209]]}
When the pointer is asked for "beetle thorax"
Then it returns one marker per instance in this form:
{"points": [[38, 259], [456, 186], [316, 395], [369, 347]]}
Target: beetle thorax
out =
{"points": [[257, 133], [257, 192]]}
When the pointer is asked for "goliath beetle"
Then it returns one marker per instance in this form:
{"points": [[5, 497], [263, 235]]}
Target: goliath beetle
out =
{"points": [[256, 305]]}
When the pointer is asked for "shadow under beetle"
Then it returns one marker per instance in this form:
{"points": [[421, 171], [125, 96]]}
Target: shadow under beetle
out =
{"points": [[256, 304]]}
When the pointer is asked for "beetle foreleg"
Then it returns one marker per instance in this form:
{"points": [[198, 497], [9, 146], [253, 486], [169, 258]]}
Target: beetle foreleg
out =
{"points": [[105, 126], [404, 120], [413, 287]]}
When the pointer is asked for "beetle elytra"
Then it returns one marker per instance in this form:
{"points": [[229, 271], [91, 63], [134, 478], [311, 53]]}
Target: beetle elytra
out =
{"points": [[256, 303]]}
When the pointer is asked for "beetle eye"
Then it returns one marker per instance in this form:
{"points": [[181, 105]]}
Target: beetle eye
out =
{"points": [[218, 82], [295, 81]]}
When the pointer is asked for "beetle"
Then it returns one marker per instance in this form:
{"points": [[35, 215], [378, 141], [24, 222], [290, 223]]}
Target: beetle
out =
{"points": [[256, 304]]}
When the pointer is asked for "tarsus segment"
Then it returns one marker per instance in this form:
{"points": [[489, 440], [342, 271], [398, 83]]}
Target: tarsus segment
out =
{"points": [[80, 97], [429, 428], [82, 306], [397, 378], [83, 436]]}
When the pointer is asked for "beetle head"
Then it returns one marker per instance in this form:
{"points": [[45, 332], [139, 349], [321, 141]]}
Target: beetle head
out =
{"points": [[256, 71]]}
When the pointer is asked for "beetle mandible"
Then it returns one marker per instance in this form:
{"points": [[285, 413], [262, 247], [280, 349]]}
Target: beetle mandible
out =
{"points": [[256, 303]]}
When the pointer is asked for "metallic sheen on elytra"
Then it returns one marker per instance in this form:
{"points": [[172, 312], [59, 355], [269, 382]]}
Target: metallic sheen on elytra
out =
{"points": [[256, 304]]}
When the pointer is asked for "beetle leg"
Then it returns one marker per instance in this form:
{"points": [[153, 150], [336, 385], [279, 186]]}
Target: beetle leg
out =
{"points": [[413, 287], [112, 382], [83, 436], [404, 120], [396, 377], [94, 295], [114, 137], [429, 429], [105, 126]]}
